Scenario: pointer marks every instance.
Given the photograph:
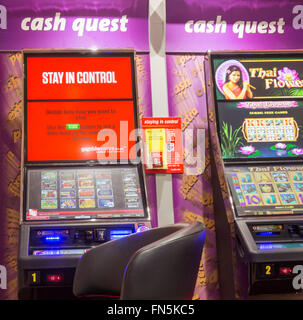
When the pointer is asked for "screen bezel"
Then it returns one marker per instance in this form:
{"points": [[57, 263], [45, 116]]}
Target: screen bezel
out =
{"points": [[78, 54], [234, 169], [242, 55], [142, 182]]}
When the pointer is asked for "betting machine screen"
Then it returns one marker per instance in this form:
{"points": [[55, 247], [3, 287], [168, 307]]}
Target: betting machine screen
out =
{"points": [[259, 106], [80, 107], [84, 193], [267, 190]]}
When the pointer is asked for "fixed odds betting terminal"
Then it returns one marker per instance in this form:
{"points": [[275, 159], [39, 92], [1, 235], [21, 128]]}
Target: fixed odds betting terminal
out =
{"points": [[259, 113], [82, 177]]}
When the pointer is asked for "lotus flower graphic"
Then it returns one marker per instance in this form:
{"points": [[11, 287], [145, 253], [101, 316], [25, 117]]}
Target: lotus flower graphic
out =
{"points": [[247, 150], [287, 74], [297, 151], [280, 146]]}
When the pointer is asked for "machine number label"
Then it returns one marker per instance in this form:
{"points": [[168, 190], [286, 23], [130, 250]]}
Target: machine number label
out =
{"points": [[33, 277], [268, 270]]}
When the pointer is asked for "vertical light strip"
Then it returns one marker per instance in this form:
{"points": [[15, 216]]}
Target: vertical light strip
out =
{"points": [[157, 24]]}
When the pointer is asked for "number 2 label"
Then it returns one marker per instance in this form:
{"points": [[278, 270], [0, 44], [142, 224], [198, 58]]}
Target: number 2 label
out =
{"points": [[268, 270]]}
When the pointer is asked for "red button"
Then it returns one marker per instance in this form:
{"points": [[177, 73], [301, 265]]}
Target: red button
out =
{"points": [[54, 278], [285, 270]]}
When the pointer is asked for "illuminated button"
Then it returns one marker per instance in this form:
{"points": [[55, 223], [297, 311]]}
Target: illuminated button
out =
{"points": [[142, 228], [54, 278], [89, 235], [285, 271], [52, 238], [100, 234], [39, 234]]}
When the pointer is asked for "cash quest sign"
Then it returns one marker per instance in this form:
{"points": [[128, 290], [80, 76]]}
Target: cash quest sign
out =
{"points": [[70, 24], [202, 25]]}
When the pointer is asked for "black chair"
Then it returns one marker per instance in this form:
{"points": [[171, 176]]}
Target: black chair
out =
{"points": [[157, 264]]}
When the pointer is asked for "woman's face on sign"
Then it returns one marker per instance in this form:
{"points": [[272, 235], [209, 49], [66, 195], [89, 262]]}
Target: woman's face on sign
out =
{"points": [[235, 76]]}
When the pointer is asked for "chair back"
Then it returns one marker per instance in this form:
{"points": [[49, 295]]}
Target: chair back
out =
{"points": [[166, 269], [161, 263]]}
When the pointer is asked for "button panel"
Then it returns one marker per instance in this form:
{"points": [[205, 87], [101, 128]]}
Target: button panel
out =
{"points": [[49, 277], [74, 240], [276, 270]]}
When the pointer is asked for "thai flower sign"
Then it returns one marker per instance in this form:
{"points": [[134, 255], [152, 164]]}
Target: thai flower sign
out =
{"points": [[283, 78], [259, 104], [247, 77]]}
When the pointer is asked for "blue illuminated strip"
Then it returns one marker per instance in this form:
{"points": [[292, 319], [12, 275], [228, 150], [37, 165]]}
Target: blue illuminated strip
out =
{"points": [[119, 233], [118, 236], [128, 231], [266, 234], [59, 252], [47, 253], [274, 246], [52, 238], [268, 246]]}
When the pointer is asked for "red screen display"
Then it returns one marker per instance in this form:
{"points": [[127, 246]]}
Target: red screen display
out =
{"points": [[85, 130], [79, 108], [79, 78]]}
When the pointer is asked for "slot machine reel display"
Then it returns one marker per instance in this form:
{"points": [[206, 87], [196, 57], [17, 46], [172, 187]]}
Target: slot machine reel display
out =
{"points": [[258, 99], [79, 189]]}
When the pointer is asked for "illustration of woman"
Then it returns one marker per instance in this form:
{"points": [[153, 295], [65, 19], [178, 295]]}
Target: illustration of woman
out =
{"points": [[235, 87]]}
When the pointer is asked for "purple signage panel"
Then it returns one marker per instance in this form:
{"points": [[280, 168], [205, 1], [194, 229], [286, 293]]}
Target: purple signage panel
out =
{"points": [[192, 190], [74, 24], [11, 97], [201, 25]]}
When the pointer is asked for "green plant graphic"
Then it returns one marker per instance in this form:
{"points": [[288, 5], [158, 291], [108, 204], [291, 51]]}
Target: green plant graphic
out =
{"points": [[231, 140], [296, 92]]}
